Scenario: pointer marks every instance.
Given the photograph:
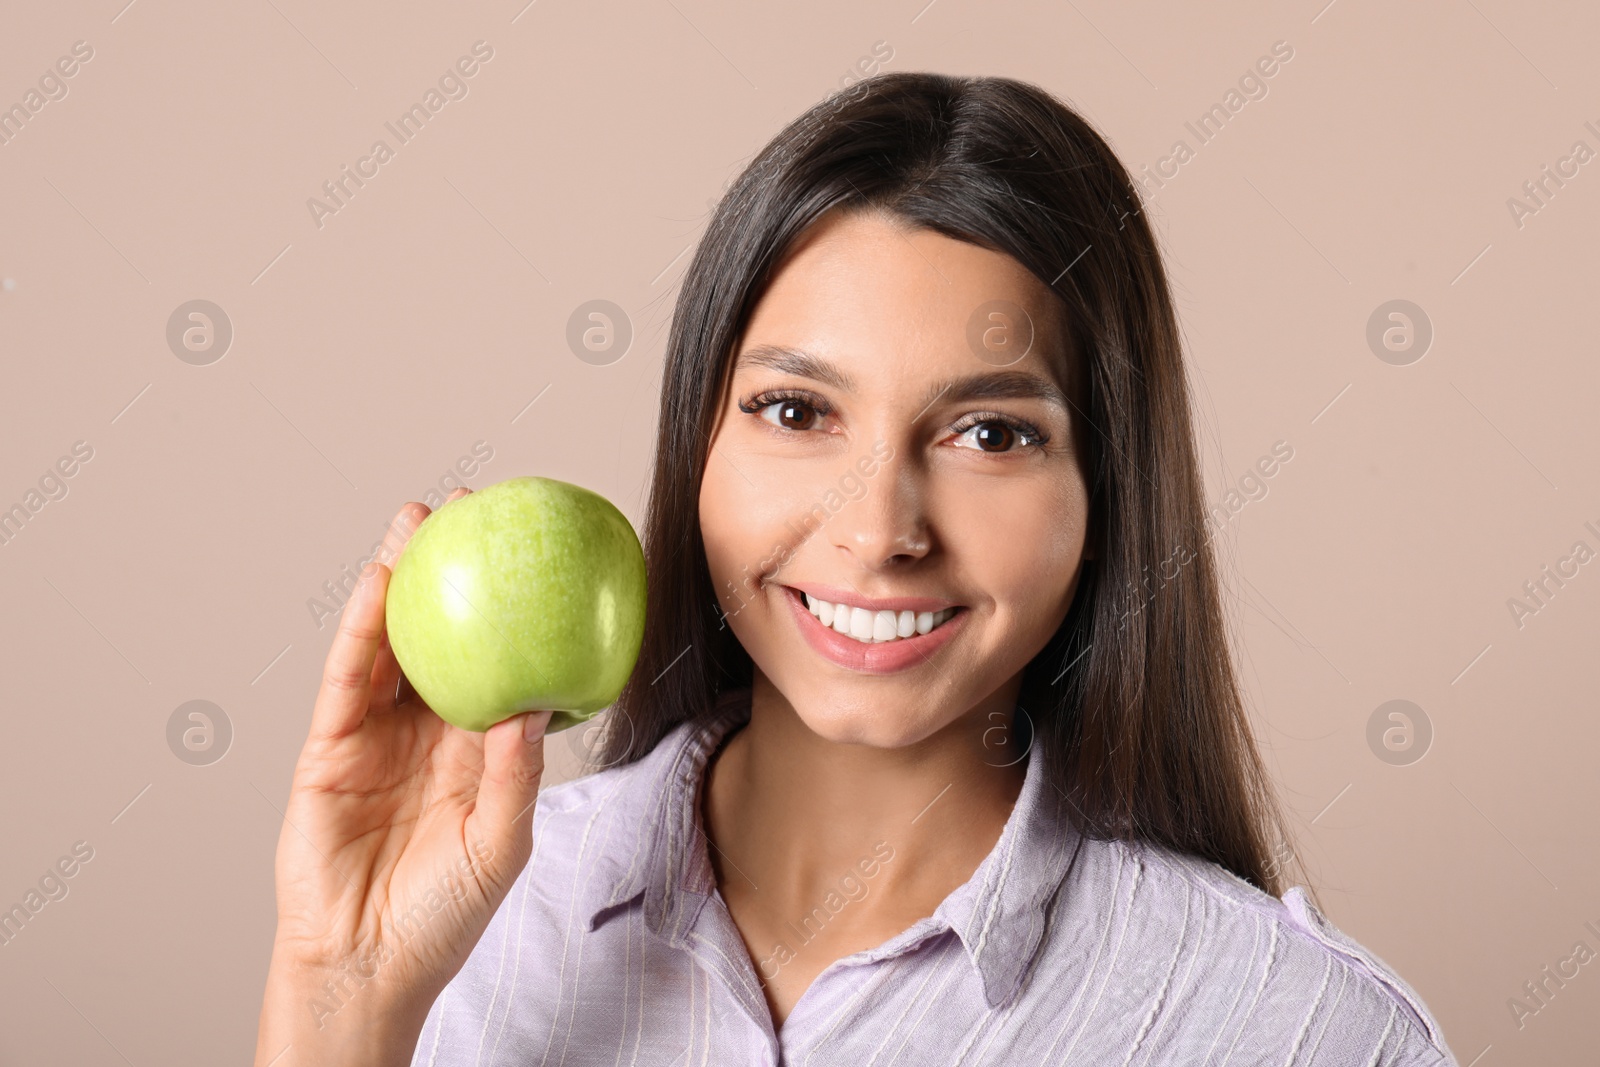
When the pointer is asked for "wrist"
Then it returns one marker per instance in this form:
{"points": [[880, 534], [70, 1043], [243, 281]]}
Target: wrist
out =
{"points": [[346, 1014]]}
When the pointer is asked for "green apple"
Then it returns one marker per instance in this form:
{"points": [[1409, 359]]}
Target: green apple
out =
{"points": [[528, 595]]}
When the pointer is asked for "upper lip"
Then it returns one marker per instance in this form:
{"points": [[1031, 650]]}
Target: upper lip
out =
{"points": [[835, 595]]}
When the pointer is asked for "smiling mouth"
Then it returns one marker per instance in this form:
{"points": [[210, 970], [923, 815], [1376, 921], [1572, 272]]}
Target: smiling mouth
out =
{"points": [[875, 627]]}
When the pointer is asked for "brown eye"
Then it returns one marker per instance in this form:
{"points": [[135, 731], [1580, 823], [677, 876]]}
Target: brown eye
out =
{"points": [[791, 414], [994, 436], [997, 434], [795, 412]]}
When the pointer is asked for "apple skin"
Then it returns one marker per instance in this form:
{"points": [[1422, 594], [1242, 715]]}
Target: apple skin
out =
{"points": [[528, 595]]}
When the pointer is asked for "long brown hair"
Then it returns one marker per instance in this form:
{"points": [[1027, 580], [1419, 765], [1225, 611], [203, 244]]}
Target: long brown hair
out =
{"points": [[1133, 703]]}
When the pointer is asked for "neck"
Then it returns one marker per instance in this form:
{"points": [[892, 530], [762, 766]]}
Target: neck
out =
{"points": [[792, 810]]}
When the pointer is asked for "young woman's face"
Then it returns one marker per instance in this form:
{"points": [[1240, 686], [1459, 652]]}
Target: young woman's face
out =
{"points": [[884, 457]]}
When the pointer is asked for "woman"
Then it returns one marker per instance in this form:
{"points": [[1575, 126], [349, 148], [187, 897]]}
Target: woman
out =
{"points": [[933, 752]]}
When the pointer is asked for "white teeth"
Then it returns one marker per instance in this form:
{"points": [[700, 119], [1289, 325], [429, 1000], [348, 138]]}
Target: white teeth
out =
{"points": [[875, 627], [861, 624], [883, 625]]}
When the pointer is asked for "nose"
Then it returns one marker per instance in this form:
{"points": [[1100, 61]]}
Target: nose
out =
{"points": [[888, 525]]}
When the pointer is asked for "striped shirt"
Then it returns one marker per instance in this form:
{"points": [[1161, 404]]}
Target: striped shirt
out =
{"points": [[614, 947]]}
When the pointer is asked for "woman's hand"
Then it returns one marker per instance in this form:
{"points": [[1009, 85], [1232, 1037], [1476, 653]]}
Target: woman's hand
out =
{"points": [[402, 836]]}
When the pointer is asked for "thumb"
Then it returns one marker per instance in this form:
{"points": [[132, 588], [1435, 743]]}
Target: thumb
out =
{"points": [[513, 764]]}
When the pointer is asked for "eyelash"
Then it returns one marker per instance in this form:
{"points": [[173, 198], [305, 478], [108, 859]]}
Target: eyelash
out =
{"points": [[761, 401]]}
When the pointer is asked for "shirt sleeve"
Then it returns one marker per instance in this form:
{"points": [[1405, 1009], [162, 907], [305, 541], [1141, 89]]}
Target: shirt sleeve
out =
{"points": [[1412, 1037]]}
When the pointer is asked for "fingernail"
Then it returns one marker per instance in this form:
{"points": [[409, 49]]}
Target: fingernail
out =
{"points": [[533, 725]]}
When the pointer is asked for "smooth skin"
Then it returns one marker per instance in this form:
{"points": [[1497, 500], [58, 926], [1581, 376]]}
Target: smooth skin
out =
{"points": [[836, 767], [388, 804], [834, 762]]}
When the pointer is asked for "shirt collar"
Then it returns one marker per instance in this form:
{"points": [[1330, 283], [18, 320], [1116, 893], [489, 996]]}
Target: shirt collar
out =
{"points": [[999, 913], [655, 809]]}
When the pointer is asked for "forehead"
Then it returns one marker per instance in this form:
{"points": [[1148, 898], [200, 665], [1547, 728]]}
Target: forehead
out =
{"points": [[877, 295]]}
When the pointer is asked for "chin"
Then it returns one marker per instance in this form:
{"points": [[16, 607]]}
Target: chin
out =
{"points": [[883, 722]]}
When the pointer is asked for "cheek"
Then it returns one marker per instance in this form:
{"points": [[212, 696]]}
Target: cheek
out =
{"points": [[1023, 542], [724, 536], [759, 510], [742, 520]]}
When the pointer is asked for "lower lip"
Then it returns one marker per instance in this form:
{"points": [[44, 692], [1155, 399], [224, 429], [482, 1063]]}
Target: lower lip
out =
{"points": [[885, 657]]}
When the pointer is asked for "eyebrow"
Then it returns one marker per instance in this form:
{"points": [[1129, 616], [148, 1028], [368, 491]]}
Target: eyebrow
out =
{"points": [[991, 385]]}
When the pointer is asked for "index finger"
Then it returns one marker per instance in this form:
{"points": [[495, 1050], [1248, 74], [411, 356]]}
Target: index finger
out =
{"points": [[345, 696], [346, 690], [405, 523]]}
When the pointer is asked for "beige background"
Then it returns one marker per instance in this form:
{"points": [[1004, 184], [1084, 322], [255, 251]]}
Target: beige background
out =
{"points": [[371, 353]]}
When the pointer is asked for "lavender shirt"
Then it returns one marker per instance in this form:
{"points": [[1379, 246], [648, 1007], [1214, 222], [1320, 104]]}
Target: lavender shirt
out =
{"points": [[614, 947]]}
